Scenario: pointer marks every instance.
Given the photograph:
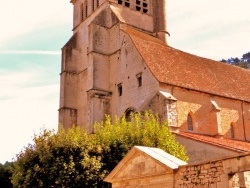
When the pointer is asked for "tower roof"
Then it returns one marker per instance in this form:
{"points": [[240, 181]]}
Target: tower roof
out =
{"points": [[182, 69]]}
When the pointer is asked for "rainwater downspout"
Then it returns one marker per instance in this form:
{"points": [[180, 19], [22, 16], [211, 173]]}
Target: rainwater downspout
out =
{"points": [[243, 119]]}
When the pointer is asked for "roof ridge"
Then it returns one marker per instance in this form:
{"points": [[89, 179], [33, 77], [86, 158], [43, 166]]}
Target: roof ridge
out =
{"points": [[216, 143]]}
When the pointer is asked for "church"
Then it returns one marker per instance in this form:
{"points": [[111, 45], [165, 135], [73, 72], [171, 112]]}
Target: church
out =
{"points": [[118, 61]]}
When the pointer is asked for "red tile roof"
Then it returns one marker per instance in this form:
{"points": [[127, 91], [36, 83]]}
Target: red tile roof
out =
{"points": [[234, 145], [182, 69]]}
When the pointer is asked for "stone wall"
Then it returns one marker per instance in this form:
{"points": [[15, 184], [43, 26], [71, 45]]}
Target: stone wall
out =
{"points": [[226, 173], [205, 175], [125, 66], [211, 115]]}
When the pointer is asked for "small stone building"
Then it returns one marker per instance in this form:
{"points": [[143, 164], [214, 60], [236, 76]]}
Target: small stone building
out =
{"points": [[146, 167]]}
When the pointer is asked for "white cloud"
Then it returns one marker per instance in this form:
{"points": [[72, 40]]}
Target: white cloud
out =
{"points": [[210, 28], [29, 95], [24, 110], [19, 17]]}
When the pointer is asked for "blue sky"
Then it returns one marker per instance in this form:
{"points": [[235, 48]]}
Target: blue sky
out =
{"points": [[33, 32]]}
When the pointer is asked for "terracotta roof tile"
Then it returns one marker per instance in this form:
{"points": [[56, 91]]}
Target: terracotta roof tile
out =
{"points": [[234, 145], [182, 69]]}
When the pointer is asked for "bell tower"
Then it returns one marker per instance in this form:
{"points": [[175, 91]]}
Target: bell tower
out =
{"points": [[91, 56], [148, 15]]}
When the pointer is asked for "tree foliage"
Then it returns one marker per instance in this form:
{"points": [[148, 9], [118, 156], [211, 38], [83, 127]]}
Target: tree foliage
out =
{"points": [[5, 175], [58, 160], [74, 158], [243, 62]]}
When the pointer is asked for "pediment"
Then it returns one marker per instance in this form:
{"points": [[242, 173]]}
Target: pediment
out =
{"points": [[140, 164]]}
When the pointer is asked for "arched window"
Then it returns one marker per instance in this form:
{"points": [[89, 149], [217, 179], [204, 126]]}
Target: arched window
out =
{"points": [[190, 123], [128, 113]]}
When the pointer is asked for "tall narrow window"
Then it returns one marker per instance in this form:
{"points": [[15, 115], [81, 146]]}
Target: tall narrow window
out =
{"points": [[119, 88], [93, 5], [190, 123], [97, 4], [139, 79], [232, 130], [86, 10], [82, 12]]}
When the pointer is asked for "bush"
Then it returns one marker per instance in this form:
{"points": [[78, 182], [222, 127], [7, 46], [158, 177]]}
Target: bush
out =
{"points": [[75, 159]]}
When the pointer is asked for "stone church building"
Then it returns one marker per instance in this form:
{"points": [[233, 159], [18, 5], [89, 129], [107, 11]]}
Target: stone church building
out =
{"points": [[118, 61]]}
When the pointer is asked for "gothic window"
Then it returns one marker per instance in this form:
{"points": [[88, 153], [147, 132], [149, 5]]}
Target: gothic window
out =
{"points": [[128, 114], [139, 79], [124, 2], [190, 123], [142, 6], [119, 88]]}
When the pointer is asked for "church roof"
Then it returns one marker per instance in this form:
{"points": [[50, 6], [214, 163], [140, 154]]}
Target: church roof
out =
{"points": [[182, 69], [234, 145]]}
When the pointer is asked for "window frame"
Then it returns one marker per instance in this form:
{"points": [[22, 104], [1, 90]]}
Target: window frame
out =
{"points": [[120, 89]]}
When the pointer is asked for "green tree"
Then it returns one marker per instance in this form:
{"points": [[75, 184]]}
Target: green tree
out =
{"points": [[58, 160], [74, 158], [119, 137], [5, 175]]}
